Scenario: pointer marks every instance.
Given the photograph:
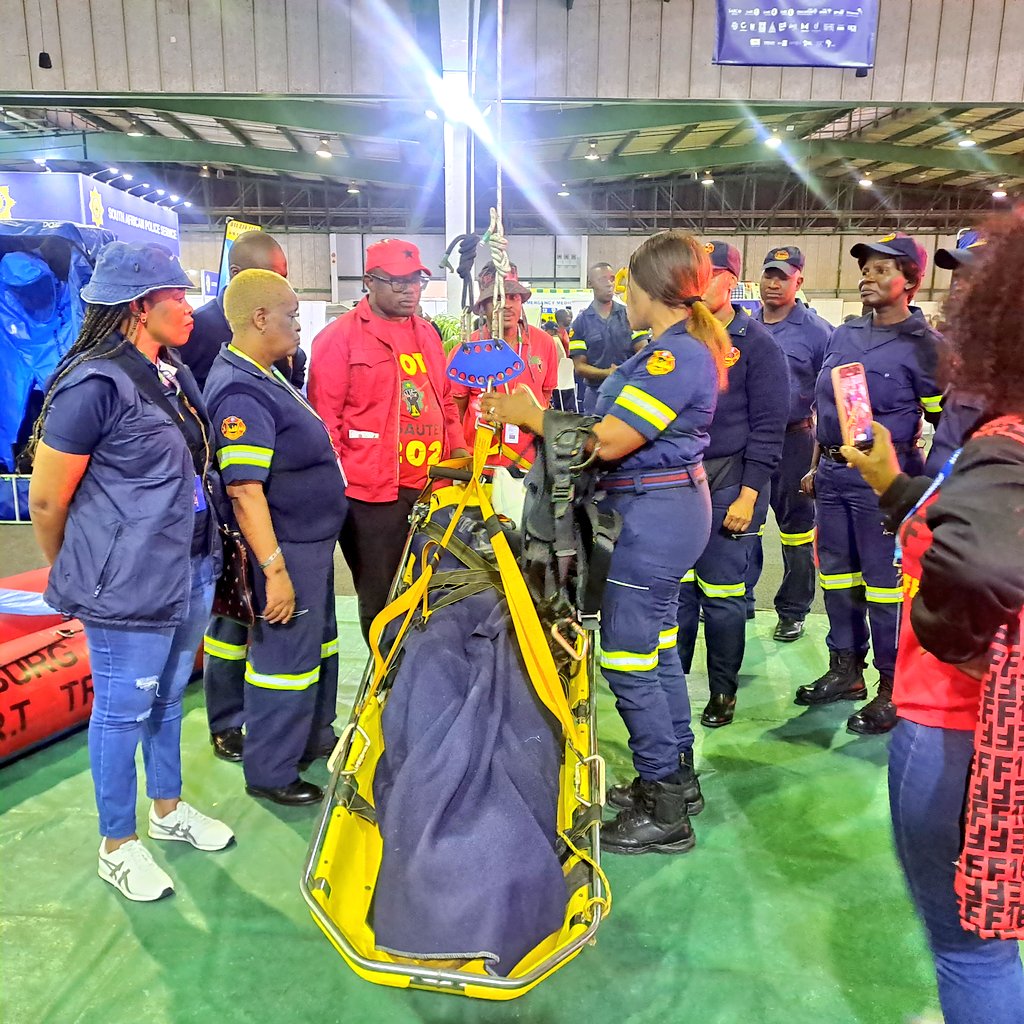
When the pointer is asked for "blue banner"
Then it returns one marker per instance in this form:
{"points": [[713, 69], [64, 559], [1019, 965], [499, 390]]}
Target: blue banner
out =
{"points": [[83, 200], [835, 35]]}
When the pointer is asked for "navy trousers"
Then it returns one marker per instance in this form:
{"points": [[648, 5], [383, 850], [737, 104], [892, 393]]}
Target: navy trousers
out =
{"points": [[291, 674], [861, 585], [717, 584], [794, 513], [224, 648], [663, 532]]}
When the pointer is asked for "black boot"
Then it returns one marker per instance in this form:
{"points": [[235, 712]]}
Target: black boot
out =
{"points": [[844, 680], [625, 795], [877, 716], [656, 823]]}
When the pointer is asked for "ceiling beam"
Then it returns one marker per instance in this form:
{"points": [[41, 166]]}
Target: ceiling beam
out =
{"points": [[99, 147], [187, 130], [623, 145], [679, 137]]}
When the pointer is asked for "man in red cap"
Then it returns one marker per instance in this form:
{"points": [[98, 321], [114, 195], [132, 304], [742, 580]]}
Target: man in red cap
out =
{"points": [[537, 349], [377, 379]]}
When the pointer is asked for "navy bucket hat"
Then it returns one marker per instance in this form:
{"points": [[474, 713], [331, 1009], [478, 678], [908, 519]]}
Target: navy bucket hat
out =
{"points": [[127, 271]]}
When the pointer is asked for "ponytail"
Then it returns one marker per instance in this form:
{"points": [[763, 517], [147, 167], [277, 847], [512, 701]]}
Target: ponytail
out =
{"points": [[703, 325]]}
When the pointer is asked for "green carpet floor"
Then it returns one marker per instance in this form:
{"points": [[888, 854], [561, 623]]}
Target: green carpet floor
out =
{"points": [[791, 910]]}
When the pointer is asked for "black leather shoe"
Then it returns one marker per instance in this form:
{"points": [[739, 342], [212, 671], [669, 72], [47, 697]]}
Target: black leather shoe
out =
{"points": [[657, 823], [227, 745], [844, 680], [719, 712], [628, 794], [877, 716], [788, 630], [295, 794]]}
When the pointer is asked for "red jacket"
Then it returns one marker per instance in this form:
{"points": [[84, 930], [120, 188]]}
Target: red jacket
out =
{"points": [[354, 387]]}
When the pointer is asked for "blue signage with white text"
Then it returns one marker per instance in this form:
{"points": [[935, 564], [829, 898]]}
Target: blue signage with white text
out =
{"points": [[789, 34], [50, 196]]}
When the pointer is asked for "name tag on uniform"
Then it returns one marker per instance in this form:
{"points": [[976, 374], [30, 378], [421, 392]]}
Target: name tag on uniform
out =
{"points": [[199, 497], [511, 433]]}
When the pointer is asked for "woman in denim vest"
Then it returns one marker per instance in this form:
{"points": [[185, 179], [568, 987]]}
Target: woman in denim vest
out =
{"points": [[120, 503]]}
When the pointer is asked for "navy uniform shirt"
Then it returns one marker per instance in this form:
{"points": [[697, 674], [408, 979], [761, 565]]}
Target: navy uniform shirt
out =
{"points": [[803, 337], [962, 413], [267, 432], [667, 392], [604, 342], [754, 408], [900, 363], [211, 331]]}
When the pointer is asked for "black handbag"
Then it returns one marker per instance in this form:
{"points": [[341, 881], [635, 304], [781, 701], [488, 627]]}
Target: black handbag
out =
{"points": [[233, 596]]}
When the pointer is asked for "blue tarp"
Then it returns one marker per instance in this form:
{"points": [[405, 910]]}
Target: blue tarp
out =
{"points": [[43, 267]]}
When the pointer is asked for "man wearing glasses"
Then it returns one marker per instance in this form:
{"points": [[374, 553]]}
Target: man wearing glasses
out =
{"points": [[377, 379]]}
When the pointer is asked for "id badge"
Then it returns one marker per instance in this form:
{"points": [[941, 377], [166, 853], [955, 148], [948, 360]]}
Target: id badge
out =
{"points": [[511, 434], [199, 497]]}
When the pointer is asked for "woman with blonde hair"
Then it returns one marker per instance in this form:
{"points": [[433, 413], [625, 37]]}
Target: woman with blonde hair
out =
{"points": [[652, 429]]}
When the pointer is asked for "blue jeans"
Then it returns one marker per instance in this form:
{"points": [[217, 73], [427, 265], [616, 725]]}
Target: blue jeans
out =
{"points": [[981, 981], [139, 677]]}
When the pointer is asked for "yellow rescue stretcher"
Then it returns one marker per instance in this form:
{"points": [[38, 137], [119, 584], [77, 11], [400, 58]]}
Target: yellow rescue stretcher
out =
{"points": [[345, 852]]}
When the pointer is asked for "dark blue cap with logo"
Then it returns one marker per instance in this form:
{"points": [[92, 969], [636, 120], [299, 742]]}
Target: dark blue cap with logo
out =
{"points": [[126, 271], [896, 246], [724, 257], [968, 244], [787, 258]]}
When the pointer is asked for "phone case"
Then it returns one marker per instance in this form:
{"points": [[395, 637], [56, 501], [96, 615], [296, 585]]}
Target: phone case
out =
{"points": [[853, 404]]}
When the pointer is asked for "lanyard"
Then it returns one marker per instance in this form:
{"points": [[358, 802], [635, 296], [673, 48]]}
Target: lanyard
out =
{"points": [[280, 378], [931, 489]]}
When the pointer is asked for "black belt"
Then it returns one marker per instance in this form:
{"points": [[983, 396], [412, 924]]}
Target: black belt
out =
{"points": [[834, 453], [655, 481], [804, 424]]}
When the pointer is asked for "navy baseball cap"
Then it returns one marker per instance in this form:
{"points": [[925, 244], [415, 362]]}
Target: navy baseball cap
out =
{"points": [[724, 256], [787, 258], [964, 255], [897, 246], [128, 270]]}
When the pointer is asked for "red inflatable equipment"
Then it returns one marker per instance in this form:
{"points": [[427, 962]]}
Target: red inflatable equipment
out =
{"points": [[45, 687], [33, 582]]}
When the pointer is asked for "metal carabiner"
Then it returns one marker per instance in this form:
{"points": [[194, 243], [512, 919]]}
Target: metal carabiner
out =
{"points": [[569, 648]]}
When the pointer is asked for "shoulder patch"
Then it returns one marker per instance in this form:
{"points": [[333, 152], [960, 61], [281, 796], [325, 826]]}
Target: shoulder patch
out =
{"points": [[232, 427], [660, 362], [732, 357]]}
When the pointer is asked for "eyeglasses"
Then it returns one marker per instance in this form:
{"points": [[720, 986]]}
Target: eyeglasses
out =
{"points": [[403, 284]]}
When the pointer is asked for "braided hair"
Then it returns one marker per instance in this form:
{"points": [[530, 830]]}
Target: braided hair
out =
{"points": [[99, 324]]}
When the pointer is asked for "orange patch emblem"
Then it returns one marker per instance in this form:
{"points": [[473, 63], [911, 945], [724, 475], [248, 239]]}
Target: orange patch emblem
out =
{"points": [[660, 362], [888, 238], [732, 357], [232, 427], [782, 254], [709, 247]]}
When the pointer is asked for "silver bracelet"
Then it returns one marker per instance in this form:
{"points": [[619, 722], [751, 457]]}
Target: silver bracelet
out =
{"points": [[277, 551]]}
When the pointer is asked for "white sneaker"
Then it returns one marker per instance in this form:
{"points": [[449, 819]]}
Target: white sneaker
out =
{"points": [[188, 825], [132, 870]]}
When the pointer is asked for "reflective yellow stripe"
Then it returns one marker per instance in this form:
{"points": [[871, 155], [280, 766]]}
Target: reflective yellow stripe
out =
{"points": [[690, 577], [794, 540], [577, 345], [646, 406], [629, 661], [299, 681], [840, 580], [244, 455], [932, 404], [639, 334], [722, 589], [884, 595], [668, 638], [329, 648], [226, 652]]}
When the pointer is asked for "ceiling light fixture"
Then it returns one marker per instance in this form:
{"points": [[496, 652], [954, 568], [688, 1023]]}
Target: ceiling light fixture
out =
{"points": [[41, 160], [790, 127], [175, 199], [128, 177], [353, 190], [204, 171], [187, 203], [967, 142], [707, 180], [774, 140], [324, 150], [220, 173], [134, 129], [999, 192], [866, 182], [430, 114], [113, 170], [563, 191], [592, 153]]}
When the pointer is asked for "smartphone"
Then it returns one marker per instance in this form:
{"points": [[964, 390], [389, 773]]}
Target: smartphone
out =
{"points": [[854, 404]]}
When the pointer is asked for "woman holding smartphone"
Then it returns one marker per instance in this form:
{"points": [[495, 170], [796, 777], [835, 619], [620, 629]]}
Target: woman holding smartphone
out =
{"points": [[956, 761], [859, 580]]}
